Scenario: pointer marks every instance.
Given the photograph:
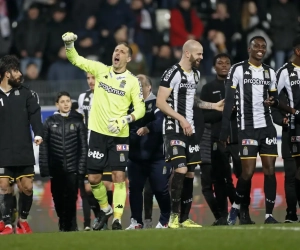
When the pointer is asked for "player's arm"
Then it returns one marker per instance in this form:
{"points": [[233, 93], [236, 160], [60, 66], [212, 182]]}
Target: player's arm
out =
{"points": [[43, 152], [230, 88], [86, 65], [208, 105], [136, 95], [80, 103], [137, 101], [82, 145], [35, 117], [156, 124]]}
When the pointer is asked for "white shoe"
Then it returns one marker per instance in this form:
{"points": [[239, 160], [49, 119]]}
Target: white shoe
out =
{"points": [[159, 225], [87, 229], [134, 225], [148, 224]]}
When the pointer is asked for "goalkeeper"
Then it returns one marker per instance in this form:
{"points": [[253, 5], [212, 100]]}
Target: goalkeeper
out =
{"points": [[115, 90]]}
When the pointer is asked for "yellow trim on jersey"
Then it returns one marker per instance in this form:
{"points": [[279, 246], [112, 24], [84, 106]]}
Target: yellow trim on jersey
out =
{"points": [[177, 157], [107, 173], [297, 155], [245, 158], [186, 70], [234, 87], [273, 90], [268, 155], [6, 176], [196, 162], [254, 65], [296, 65], [25, 175]]}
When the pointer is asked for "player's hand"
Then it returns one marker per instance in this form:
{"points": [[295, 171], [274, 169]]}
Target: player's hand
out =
{"points": [[271, 102], [115, 125], [38, 140], [219, 106], [143, 131], [186, 126], [224, 143], [285, 121], [69, 38]]}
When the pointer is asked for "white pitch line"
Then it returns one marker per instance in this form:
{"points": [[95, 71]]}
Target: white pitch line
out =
{"points": [[258, 228]]}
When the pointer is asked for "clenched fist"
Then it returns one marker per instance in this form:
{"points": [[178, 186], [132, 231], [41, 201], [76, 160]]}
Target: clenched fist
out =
{"points": [[69, 38]]}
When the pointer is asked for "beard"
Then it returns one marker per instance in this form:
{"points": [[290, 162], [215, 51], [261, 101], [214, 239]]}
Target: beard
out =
{"points": [[193, 62], [15, 82]]}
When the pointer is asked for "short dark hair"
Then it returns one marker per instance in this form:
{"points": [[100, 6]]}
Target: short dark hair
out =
{"points": [[60, 94], [257, 37], [75, 104], [296, 42], [128, 47], [220, 56], [7, 64]]}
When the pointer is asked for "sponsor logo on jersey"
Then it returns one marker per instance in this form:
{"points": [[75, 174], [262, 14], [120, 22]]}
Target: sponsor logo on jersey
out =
{"points": [[188, 85], [256, 81], [111, 90], [169, 73], [297, 82]]}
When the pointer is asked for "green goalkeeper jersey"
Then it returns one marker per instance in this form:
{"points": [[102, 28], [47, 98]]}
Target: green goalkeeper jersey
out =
{"points": [[113, 94]]}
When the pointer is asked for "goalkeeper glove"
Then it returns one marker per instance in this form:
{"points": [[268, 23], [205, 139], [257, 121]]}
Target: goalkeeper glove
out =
{"points": [[69, 38], [117, 124]]}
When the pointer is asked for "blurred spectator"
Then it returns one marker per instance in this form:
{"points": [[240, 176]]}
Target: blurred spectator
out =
{"points": [[138, 64], [31, 74], [5, 31], [166, 4], [163, 60], [144, 30], [185, 24], [251, 26], [62, 72], [82, 9], [88, 40], [113, 14], [31, 38], [284, 27], [58, 25], [28, 3], [120, 35]]}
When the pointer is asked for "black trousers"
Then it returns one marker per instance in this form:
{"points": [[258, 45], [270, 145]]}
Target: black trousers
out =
{"points": [[85, 203], [64, 189]]}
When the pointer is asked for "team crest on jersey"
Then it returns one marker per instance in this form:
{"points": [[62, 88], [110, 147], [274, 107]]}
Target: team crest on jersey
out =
{"points": [[72, 127], [17, 92], [122, 84], [267, 75]]}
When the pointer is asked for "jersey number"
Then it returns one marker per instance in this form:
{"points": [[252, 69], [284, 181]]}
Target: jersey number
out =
{"points": [[1, 101]]}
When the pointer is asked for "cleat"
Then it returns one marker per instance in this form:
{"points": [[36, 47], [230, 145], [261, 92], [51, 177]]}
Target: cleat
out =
{"points": [[134, 225], [232, 216], [148, 224], [159, 225], [116, 225], [87, 229], [105, 227], [291, 218], [221, 222], [101, 219], [7, 230], [245, 217], [190, 224], [173, 221], [271, 220], [2, 226], [24, 227]]}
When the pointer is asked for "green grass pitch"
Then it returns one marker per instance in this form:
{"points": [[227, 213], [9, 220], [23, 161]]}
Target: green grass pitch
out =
{"points": [[257, 237]]}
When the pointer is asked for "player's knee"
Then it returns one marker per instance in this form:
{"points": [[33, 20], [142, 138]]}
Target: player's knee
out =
{"points": [[190, 174], [27, 188], [94, 179], [108, 185], [4, 186], [247, 175], [118, 176], [87, 188]]}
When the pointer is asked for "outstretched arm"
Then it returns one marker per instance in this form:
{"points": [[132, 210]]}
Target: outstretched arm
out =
{"points": [[208, 105]]}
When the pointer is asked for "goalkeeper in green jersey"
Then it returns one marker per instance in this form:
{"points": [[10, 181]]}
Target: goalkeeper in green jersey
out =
{"points": [[116, 88]]}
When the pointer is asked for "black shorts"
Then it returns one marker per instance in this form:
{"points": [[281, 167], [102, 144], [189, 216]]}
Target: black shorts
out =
{"points": [[107, 152], [106, 176], [295, 141], [182, 151], [15, 173], [260, 140]]}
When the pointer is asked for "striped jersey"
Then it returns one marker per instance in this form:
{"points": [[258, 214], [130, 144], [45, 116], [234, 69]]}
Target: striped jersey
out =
{"points": [[181, 99], [85, 105], [252, 85], [288, 81]]}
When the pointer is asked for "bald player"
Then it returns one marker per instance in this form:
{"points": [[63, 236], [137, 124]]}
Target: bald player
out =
{"points": [[176, 98]]}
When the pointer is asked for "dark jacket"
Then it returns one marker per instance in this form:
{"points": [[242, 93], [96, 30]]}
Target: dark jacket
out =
{"points": [[18, 111], [65, 144], [213, 92], [278, 116], [150, 146]]}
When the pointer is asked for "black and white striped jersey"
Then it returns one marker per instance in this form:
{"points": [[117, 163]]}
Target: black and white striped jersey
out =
{"points": [[252, 86], [181, 99], [288, 80]]}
